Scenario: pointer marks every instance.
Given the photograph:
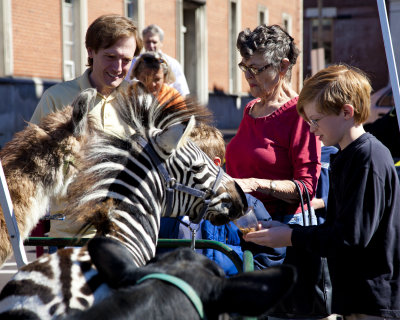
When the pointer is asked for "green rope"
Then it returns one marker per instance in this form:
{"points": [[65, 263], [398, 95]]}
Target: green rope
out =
{"points": [[182, 285]]}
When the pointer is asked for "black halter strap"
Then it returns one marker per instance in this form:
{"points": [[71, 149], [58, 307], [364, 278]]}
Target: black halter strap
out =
{"points": [[207, 202], [171, 184]]}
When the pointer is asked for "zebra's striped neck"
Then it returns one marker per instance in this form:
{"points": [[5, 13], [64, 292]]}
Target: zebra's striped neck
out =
{"points": [[125, 195]]}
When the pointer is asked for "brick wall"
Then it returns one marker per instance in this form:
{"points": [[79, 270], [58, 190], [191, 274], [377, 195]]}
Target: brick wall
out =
{"points": [[37, 33], [218, 45], [163, 13], [36, 38], [97, 8]]}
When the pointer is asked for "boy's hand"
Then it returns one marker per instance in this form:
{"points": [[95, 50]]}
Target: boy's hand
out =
{"points": [[275, 235], [270, 224]]}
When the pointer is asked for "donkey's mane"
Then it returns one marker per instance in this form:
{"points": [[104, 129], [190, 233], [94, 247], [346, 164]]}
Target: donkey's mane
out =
{"points": [[31, 146]]}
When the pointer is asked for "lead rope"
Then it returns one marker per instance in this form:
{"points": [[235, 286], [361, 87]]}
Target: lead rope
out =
{"points": [[203, 211], [193, 242], [193, 233]]}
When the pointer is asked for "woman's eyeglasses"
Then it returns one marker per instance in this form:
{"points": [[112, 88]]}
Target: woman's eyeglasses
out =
{"points": [[252, 70]]}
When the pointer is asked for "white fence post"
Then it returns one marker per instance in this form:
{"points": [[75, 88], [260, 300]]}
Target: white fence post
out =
{"points": [[387, 39], [11, 222]]}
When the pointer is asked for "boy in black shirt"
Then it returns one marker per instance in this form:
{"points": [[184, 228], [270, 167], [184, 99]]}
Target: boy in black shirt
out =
{"points": [[361, 236]]}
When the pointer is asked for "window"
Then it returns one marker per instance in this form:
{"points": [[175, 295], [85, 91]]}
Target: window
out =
{"points": [[262, 15], [322, 36], [192, 31], [6, 53], [68, 40], [287, 22], [234, 20], [134, 9], [326, 37], [74, 26], [131, 9]]}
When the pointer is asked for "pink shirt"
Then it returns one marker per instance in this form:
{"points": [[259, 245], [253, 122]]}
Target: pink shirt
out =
{"points": [[279, 146]]}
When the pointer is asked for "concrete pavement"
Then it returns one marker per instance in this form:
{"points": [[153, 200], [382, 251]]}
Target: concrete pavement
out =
{"points": [[10, 267]]}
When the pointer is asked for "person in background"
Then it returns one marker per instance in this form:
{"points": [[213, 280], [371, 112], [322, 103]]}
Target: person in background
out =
{"points": [[153, 37], [210, 140], [360, 237], [111, 42], [273, 144], [156, 75], [320, 202]]}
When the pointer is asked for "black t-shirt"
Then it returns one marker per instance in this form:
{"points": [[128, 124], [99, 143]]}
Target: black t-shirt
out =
{"points": [[361, 235]]}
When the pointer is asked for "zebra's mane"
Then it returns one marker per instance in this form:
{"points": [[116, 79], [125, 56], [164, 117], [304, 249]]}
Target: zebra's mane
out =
{"points": [[145, 113]]}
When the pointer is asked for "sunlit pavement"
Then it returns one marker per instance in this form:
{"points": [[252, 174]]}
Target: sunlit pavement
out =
{"points": [[10, 266]]}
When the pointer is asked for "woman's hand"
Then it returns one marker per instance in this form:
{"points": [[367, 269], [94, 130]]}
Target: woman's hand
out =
{"points": [[283, 189], [274, 234], [248, 184]]}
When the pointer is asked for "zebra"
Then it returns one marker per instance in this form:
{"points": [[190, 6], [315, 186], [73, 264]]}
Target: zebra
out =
{"points": [[125, 186]]}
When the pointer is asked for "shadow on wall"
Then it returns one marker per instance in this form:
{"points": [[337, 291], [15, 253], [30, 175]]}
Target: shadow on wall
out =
{"points": [[19, 98]]}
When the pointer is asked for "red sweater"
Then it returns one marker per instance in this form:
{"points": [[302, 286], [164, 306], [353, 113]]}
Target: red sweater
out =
{"points": [[279, 146]]}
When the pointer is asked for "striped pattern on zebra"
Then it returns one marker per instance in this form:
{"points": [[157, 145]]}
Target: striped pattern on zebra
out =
{"points": [[121, 193]]}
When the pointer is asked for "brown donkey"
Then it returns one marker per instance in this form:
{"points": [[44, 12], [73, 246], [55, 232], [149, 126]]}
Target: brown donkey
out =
{"points": [[41, 161]]}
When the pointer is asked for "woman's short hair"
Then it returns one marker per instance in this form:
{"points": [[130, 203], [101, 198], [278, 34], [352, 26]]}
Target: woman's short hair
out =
{"points": [[107, 29], [335, 86], [271, 41], [152, 61]]}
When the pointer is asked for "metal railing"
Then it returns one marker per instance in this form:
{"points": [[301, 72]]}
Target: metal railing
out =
{"points": [[241, 265]]}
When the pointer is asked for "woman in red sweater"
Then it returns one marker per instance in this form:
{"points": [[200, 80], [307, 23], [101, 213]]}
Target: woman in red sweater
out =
{"points": [[273, 144]]}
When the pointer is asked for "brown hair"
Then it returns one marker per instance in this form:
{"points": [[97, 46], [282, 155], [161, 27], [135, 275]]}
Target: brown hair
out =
{"points": [[335, 86], [210, 140], [152, 61], [106, 30]]}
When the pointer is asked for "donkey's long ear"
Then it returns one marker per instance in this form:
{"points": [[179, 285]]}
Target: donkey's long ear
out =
{"points": [[255, 293], [113, 262], [81, 106], [174, 136]]}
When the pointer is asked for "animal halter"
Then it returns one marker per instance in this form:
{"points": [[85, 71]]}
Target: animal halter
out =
{"points": [[172, 185], [186, 288]]}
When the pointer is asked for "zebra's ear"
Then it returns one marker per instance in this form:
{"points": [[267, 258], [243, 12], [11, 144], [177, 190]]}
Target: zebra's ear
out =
{"points": [[175, 136], [81, 106]]}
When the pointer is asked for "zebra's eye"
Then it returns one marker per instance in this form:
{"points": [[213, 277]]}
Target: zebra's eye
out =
{"points": [[198, 167]]}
